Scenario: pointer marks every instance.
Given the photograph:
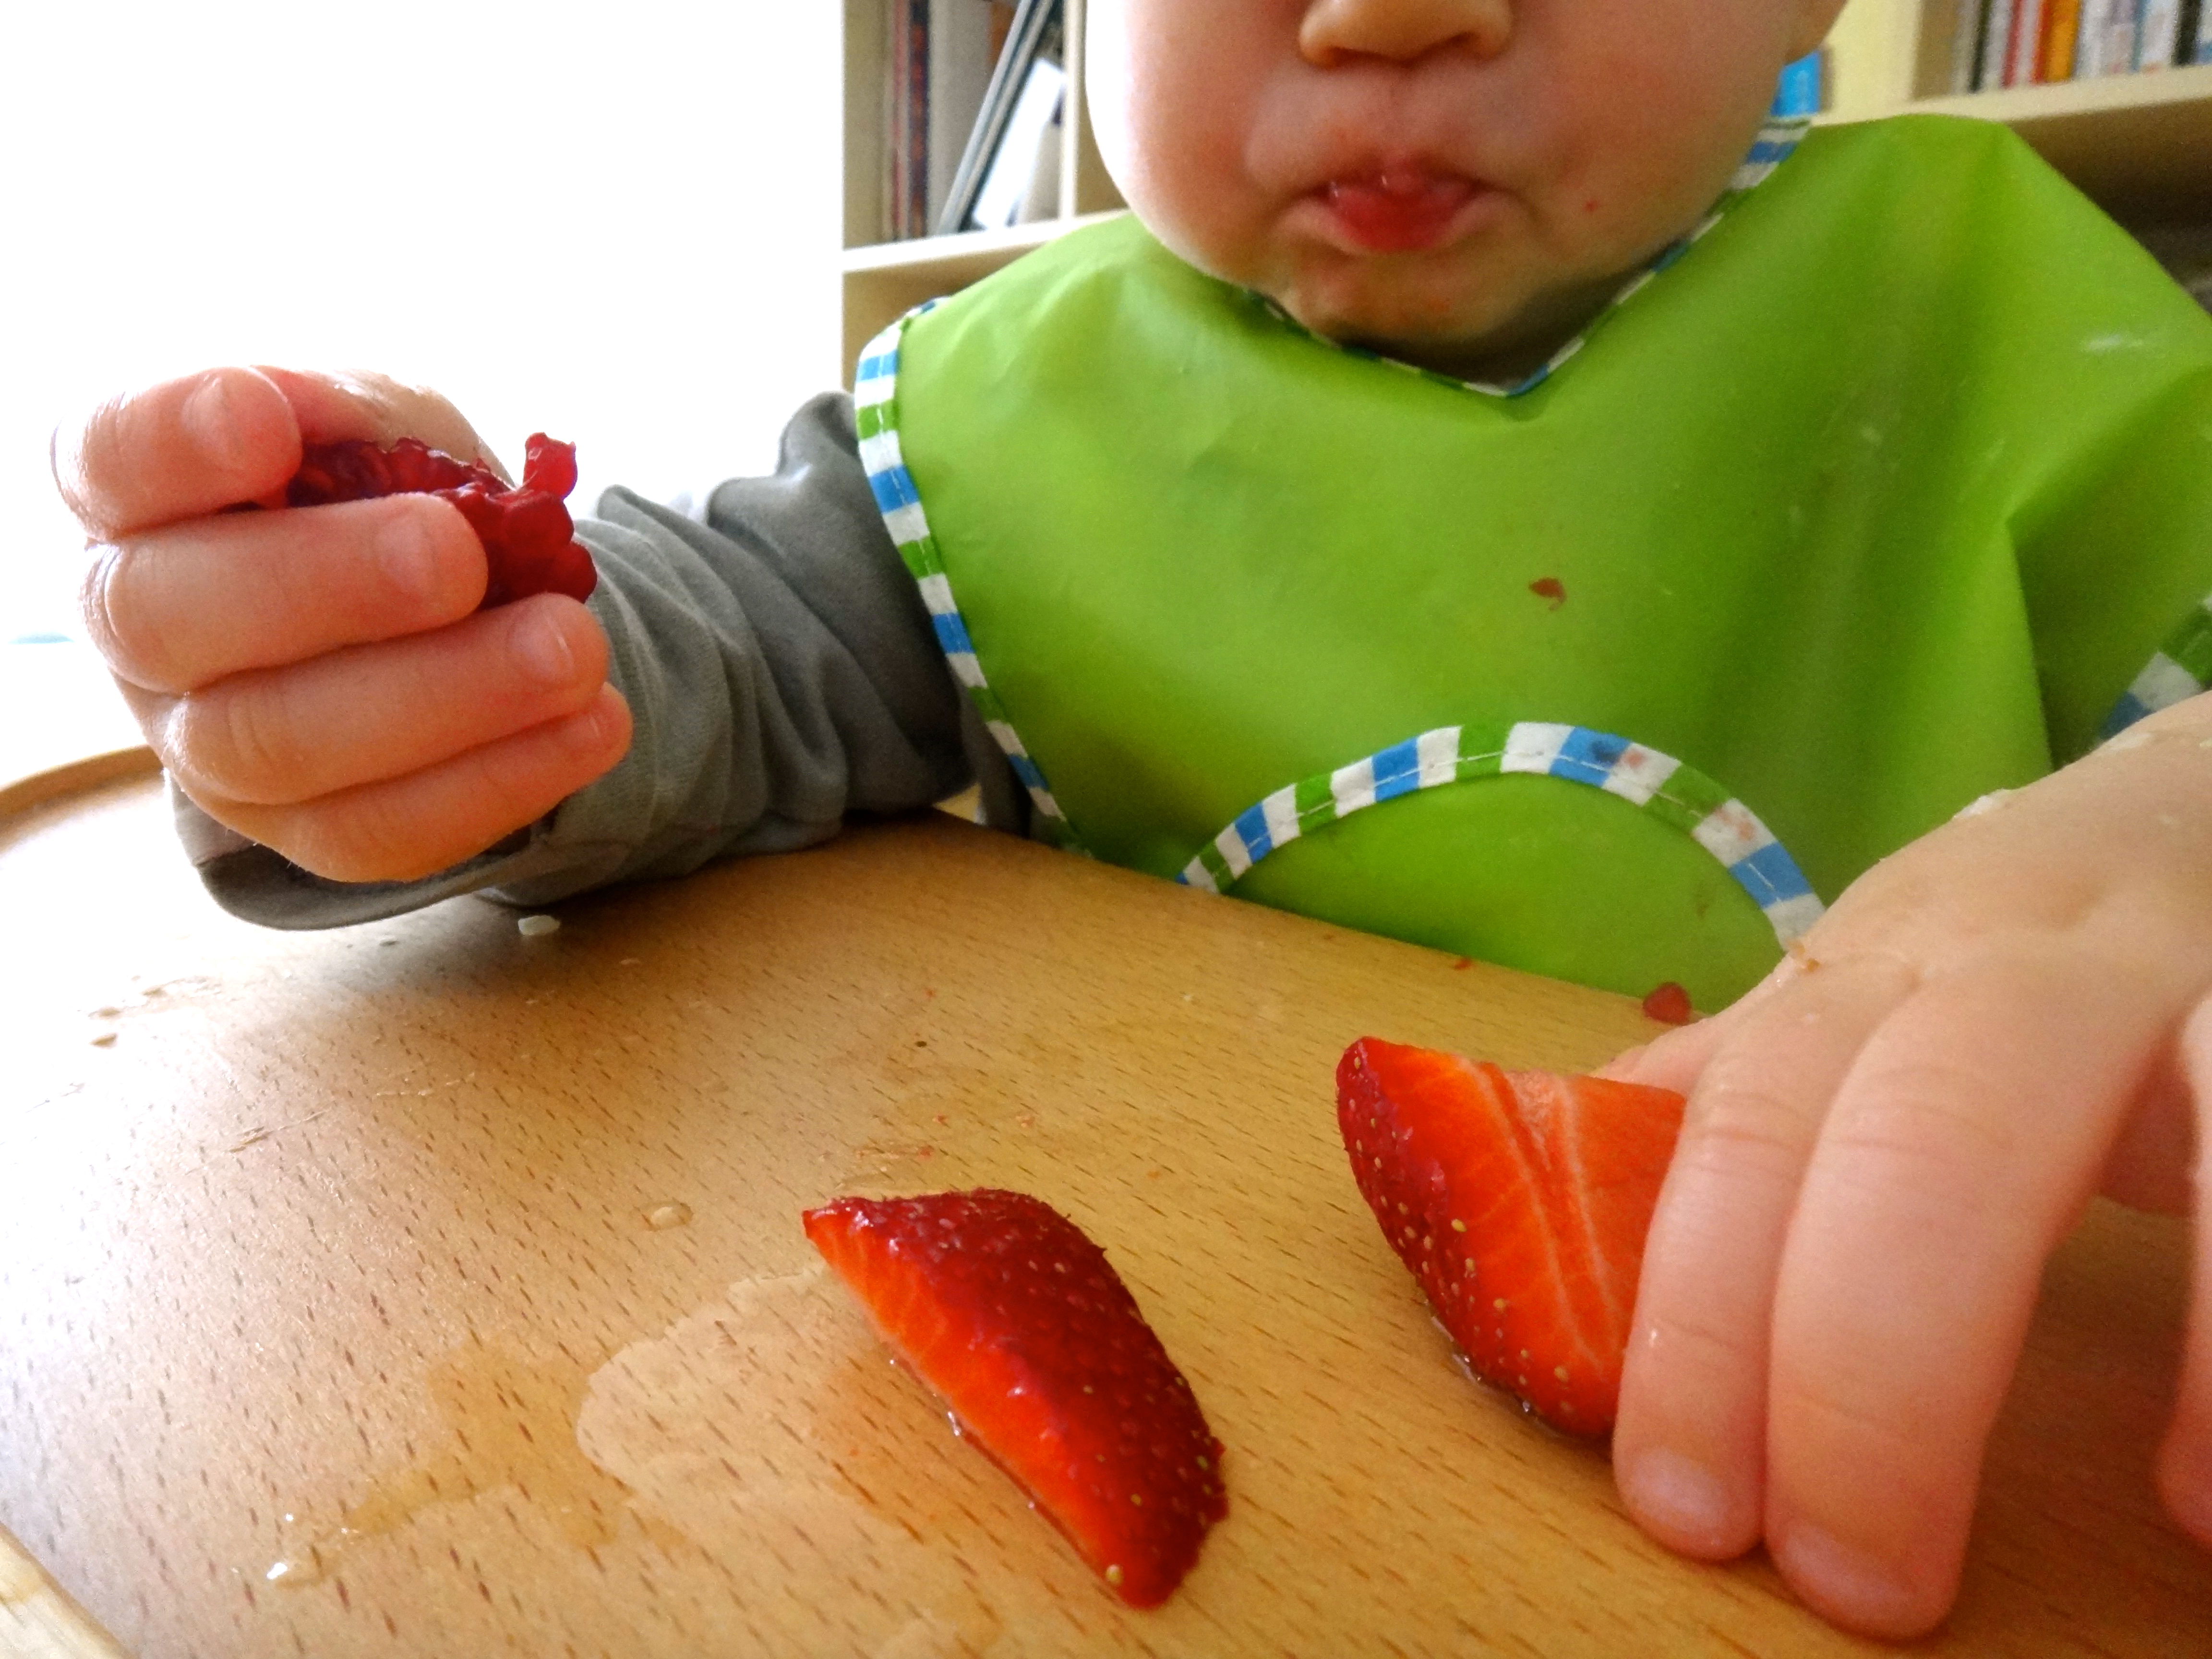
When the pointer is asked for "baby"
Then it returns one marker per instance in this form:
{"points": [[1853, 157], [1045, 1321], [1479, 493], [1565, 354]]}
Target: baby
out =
{"points": [[1489, 466]]}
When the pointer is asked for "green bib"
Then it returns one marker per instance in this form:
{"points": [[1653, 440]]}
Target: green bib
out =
{"points": [[1870, 498]]}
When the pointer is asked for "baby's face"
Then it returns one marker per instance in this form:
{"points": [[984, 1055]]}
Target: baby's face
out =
{"points": [[1458, 182]]}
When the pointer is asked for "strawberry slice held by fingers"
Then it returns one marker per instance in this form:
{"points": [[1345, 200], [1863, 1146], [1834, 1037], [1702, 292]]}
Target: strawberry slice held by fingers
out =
{"points": [[1016, 1320], [529, 540], [1520, 1202]]}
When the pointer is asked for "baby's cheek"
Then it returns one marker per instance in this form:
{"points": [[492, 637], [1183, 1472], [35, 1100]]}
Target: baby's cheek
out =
{"points": [[1196, 197]]}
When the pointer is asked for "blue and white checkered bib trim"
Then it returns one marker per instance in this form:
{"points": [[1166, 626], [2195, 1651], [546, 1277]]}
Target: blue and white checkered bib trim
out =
{"points": [[1659, 784], [2178, 671], [875, 412]]}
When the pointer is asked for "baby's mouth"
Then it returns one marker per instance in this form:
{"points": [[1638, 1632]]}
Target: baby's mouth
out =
{"points": [[1398, 210]]}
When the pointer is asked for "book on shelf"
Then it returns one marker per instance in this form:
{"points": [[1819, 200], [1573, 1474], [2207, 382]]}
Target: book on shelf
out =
{"points": [[2023, 64], [1968, 27], [2108, 39], [1996, 42], [906, 115], [937, 59], [2158, 35], [2062, 39], [2018, 43], [1009, 171]]}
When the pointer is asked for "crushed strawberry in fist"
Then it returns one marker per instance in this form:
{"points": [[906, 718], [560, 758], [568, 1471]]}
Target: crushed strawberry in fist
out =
{"points": [[1519, 1201], [1016, 1320], [529, 540]]}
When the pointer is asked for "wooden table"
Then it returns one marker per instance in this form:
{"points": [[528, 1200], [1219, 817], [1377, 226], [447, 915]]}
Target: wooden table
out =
{"points": [[426, 1288]]}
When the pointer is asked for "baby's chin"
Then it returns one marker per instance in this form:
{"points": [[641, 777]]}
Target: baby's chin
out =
{"points": [[1478, 320], [1438, 321]]}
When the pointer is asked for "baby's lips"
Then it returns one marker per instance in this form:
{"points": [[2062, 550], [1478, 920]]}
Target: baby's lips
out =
{"points": [[1405, 210]]}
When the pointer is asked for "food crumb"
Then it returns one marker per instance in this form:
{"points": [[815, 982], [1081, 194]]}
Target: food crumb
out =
{"points": [[1461, 964], [662, 1217], [105, 1040], [1550, 587], [1669, 1004], [1981, 803], [537, 926]]}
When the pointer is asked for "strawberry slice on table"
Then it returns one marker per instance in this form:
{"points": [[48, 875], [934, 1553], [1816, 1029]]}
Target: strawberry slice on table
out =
{"points": [[1520, 1200], [1010, 1313]]}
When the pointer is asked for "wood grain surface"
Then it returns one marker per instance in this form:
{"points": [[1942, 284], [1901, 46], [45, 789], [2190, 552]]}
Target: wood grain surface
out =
{"points": [[427, 1288], [37, 1620]]}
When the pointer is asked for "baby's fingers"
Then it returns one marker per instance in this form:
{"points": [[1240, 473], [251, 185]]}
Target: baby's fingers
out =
{"points": [[354, 403], [172, 610], [1957, 1151], [403, 829], [355, 717], [1689, 1449], [2184, 1463], [177, 450]]}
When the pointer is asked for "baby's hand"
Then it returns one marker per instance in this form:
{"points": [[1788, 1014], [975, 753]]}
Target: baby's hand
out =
{"points": [[320, 679], [1884, 1142]]}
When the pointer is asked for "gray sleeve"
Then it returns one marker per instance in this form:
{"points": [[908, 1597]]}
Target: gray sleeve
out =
{"points": [[781, 671]]}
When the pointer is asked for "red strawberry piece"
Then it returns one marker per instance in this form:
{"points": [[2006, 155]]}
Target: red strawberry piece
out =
{"points": [[1520, 1200], [1004, 1308], [1669, 1004], [549, 465], [529, 540]]}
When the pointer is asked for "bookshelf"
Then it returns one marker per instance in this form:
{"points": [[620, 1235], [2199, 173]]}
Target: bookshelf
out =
{"points": [[2140, 145], [884, 280]]}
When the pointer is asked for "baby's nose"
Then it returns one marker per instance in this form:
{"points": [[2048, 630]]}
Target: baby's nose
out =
{"points": [[1403, 30]]}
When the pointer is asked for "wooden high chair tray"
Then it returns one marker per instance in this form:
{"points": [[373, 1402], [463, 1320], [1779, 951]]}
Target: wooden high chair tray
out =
{"points": [[426, 1288]]}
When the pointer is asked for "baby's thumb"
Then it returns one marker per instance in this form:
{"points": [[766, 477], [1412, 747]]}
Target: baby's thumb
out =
{"points": [[332, 407]]}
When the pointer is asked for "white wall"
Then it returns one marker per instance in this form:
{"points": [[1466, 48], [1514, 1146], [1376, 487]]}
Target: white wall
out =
{"points": [[616, 222]]}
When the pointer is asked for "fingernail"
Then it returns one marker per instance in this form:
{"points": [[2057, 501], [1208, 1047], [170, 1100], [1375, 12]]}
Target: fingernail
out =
{"points": [[410, 564], [541, 649], [212, 425], [1676, 1495], [596, 729], [1839, 1579]]}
